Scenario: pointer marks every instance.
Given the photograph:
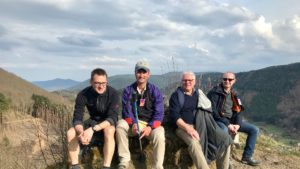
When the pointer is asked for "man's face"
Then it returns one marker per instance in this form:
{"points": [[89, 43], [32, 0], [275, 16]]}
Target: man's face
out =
{"points": [[142, 76], [188, 82], [228, 80], [99, 83]]}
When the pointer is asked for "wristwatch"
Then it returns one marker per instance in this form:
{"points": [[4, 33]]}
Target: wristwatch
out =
{"points": [[95, 128]]}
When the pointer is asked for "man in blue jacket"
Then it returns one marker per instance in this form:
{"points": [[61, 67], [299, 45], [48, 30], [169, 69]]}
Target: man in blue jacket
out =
{"points": [[227, 108], [183, 107], [150, 115]]}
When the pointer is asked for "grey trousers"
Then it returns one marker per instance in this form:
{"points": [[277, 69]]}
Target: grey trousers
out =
{"points": [[195, 150], [157, 137]]}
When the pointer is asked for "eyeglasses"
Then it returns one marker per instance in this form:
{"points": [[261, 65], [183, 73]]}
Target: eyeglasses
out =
{"points": [[187, 80], [100, 83], [227, 79]]}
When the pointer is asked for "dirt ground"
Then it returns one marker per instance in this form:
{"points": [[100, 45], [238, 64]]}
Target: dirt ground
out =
{"points": [[26, 133]]}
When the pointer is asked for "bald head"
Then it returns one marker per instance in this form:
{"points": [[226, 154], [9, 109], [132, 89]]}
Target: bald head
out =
{"points": [[228, 80], [231, 74]]}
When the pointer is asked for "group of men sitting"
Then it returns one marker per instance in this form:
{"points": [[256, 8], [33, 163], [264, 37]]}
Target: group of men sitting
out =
{"points": [[205, 123]]}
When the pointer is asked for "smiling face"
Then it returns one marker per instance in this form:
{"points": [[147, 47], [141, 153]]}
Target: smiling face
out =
{"points": [[228, 80], [188, 82], [142, 76], [99, 83]]}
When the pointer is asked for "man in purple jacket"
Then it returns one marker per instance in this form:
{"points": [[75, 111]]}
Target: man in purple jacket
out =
{"points": [[150, 109]]}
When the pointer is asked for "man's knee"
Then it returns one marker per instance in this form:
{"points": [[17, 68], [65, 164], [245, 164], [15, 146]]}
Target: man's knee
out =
{"points": [[71, 134], [122, 125], [194, 144], [255, 130], [159, 134], [109, 131]]}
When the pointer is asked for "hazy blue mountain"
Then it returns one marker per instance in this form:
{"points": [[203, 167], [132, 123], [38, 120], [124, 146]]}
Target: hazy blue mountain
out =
{"points": [[55, 84]]}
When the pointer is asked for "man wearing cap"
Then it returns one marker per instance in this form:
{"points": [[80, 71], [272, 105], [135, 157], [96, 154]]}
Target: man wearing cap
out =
{"points": [[150, 115]]}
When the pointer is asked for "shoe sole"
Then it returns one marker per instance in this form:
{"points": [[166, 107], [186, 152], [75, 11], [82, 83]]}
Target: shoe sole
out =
{"points": [[245, 162]]}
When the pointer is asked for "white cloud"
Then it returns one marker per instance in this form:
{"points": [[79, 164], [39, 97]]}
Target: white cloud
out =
{"points": [[72, 36]]}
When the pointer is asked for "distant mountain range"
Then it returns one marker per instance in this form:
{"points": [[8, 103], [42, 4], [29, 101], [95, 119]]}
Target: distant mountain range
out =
{"points": [[56, 84], [270, 95], [121, 81]]}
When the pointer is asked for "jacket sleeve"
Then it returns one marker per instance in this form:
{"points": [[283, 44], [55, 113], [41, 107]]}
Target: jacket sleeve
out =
{"points": [[80, 103], [127, 113], [113, 108], [238, 109], [213, 97], [239, 119], [236, 118], [158, 114], [174, 108]]}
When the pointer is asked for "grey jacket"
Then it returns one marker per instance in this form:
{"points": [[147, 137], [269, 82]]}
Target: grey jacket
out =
{"points": [[214, 140]]}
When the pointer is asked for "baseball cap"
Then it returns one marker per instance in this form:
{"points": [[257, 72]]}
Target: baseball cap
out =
{"points": [[142, 65]]}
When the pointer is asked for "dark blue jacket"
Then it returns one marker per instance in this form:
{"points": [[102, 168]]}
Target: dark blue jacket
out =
{"points": [[186, 110], [153, 110], [217, 96]]}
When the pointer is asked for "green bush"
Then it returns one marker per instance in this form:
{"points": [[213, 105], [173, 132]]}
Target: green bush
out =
{"points": [[4, 103]]}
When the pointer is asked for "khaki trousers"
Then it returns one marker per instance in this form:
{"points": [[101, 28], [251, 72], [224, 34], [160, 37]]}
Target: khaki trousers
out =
{"points": [[157, 137], [196, 153]]}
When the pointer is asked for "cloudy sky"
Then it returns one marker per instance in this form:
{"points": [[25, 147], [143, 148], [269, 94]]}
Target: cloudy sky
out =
{"points": [[47, 39]]}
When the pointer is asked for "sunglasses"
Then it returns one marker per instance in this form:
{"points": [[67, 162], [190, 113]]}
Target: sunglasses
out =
{"points": [[227, 79]]}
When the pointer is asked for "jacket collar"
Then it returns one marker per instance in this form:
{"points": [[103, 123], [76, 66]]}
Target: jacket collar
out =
{"points": [[220, 89]]}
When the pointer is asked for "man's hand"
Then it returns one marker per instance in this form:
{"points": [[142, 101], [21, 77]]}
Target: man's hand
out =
{"points": [[79, 129], [236, 128], [192, 132], [231, 128], [146, 131], [134, 129], [86, 136]]}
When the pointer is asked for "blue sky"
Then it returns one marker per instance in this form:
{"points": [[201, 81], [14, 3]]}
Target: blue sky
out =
{"points": [[47, 39]]}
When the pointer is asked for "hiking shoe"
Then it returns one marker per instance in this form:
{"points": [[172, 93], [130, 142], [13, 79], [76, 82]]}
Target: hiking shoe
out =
{"points": [[250, 161], [76, 166]]}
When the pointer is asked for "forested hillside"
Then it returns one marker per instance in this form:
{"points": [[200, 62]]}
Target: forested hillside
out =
{"points": [[272, 95]]}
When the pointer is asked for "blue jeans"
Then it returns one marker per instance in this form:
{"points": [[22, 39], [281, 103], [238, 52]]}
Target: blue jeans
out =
{"points": [[252, 132]]}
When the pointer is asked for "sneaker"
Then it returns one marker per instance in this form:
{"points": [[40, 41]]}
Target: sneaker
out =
{"points": [[76, 166], [250, 161]]}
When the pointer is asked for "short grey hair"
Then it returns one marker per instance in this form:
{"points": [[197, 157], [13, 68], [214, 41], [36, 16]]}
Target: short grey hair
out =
{"points": [[188, 73]]}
